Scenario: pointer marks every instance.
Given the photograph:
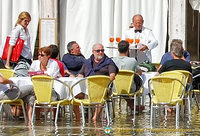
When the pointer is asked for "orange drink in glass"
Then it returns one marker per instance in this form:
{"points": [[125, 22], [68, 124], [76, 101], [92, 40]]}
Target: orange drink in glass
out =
{"points": [[130, 41], [118, 39], [137, 41], [127, 39], [111, 39]]}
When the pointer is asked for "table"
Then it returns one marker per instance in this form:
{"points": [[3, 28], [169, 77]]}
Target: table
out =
{"points": [[146, 76], [62, 90]]}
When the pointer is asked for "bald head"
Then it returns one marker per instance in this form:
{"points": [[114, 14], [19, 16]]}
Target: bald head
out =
{"points": [[98, 51], [138, 21]]}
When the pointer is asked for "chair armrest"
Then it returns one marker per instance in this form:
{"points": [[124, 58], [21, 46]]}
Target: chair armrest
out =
{"points": [[151, 90], [184, 90], [64, 85], [142, 81]]}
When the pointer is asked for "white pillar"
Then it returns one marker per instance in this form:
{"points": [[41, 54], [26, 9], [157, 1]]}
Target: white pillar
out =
{"points": [[177, 20]]}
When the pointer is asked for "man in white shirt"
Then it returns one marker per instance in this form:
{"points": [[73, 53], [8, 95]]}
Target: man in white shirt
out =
{"points": [[147, 41]]}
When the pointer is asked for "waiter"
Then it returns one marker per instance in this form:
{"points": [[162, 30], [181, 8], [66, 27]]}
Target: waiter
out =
{"points": [[147, 41]]}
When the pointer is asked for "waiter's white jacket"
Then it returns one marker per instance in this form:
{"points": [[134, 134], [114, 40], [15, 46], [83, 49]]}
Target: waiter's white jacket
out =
{"points": [[147, 38]]}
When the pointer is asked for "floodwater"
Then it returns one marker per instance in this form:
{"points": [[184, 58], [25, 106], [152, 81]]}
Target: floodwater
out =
{"points": [[121, 124]]}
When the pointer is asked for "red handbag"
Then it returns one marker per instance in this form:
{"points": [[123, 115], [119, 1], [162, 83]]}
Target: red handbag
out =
{"points": [[33, 73], [17, 49]]}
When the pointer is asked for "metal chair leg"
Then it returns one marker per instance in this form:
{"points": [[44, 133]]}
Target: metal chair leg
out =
{"points": [[24, 112], [83, 114], [177, 115], [197, 102], [151, 116], [33, 114], [108, 118], [57, 111]]}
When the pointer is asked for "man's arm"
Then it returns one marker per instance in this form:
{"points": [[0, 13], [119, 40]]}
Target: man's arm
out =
{"points": [[73, 62], [5, 81], [112, 76], [151, 42]]}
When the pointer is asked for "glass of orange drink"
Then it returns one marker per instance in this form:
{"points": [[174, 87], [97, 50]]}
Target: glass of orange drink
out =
{"points": [[111, 39], [118, 39]]}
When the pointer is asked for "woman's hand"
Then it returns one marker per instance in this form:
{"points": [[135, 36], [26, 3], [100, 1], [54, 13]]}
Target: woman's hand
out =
{"points": [[7, 65]]}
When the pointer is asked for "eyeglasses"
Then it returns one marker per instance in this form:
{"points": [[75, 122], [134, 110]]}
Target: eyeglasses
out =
{"points": [[42, 55], [102, 50]]}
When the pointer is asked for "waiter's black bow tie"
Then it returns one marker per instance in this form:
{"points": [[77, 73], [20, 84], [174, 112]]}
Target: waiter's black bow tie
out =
{"points": [[138, 31]]}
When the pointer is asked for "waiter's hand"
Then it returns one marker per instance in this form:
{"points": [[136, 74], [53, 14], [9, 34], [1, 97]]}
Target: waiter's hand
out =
{"points": [[143, 47]]}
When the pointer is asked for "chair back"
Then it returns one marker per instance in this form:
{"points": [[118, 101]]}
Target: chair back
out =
{"points": [[162, 89], [97, 87], [43, 87], [123, 81], [7, 73], [178, 75], [188, 76]]}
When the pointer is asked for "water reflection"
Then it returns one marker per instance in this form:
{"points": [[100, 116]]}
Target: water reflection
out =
{"points": [[122, 124]]}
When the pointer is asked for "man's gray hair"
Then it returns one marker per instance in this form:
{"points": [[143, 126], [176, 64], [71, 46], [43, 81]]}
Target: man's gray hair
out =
{"points": [[69, 46], [176, 47]]}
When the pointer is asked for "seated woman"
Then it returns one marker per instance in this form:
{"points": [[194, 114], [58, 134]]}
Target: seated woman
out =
{"points": [[44, 63], [48, 66], [26, 93]]}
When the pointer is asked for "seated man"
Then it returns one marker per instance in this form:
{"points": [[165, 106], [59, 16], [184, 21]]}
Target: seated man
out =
{"points": [[74, 59], [168, 56], [55, 51], [26, 93], [97, 64], [127, 63], [178, 62]]}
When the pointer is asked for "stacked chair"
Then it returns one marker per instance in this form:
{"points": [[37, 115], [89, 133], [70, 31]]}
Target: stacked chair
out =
{"points": [[196, 88]]}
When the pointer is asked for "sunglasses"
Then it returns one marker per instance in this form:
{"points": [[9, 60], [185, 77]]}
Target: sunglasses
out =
{"points": [[102, 50], [42, 55]]}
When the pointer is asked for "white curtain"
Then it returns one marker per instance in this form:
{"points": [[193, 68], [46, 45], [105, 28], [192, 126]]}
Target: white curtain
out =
{"points": [[9, 11], [92, 21]]}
